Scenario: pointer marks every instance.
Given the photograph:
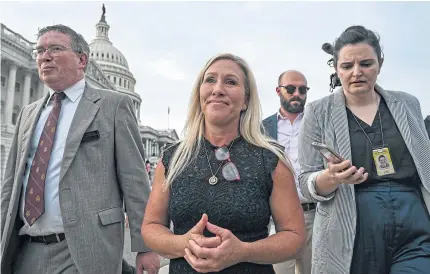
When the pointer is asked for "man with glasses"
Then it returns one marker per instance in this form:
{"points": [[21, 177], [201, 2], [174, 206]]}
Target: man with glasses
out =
{"points": [[76, 157], [284, 127]]}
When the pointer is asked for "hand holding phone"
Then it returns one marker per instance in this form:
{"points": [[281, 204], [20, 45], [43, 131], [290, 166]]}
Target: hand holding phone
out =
{"points": [[329, 154], [347, 173]]}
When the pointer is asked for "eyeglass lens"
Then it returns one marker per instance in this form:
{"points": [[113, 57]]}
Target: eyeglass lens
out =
{"points": [[222, 153], [230, 172], [291, 89]]}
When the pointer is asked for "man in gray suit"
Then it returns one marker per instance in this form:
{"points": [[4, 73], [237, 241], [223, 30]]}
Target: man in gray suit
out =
{"points": [[76, 157]]}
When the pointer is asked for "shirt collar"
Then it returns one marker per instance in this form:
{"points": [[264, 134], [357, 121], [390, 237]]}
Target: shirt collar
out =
{"points": [[72, 92]]}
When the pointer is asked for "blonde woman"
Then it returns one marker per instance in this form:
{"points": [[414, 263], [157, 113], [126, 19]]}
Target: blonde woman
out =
{"points": [[222, 182]]}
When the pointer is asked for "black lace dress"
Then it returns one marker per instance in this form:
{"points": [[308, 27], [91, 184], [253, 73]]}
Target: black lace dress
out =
{"points": [[240, 206]]}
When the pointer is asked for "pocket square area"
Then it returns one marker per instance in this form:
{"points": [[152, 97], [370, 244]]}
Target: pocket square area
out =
{"points": [[91, 135]]}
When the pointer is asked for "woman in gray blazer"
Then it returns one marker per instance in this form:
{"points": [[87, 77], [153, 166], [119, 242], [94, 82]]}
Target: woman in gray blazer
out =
{"points": [[371, 216]]}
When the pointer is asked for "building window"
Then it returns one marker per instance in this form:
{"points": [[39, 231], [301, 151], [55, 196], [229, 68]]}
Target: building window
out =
{"points": [[128, 84], [107, 55], [3, 158], [14, 116], [31, 92], [92, 54], [3, 81], [125, 83], [120, 81], [17, 87], [114, 80], [97, 54], [109, 77], [2, 112], [15, 113], [103, 55]]}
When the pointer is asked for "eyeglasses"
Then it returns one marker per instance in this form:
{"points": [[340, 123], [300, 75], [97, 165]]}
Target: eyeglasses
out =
{"points": [[53, 50], [229, 170], [292, 88]]}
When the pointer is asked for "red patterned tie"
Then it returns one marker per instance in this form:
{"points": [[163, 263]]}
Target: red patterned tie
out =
{"points": [[34, 198]]}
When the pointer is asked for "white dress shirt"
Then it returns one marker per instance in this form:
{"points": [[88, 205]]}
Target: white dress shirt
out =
{"points": [[51, 221], [288, 136]]}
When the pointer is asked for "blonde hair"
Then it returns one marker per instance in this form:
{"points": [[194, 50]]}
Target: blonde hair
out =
{"points": [[250, 129]]}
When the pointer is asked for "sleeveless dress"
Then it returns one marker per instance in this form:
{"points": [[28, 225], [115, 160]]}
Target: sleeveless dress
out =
{"points": [[240, 206]]}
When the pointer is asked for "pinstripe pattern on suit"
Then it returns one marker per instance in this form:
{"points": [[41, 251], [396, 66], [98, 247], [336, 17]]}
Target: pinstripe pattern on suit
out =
{"points": [[325, 121]]}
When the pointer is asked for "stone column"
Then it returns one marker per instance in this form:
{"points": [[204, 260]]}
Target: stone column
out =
{"points": [[10, 103], [26, 93], [147, 148], [138, 112]]}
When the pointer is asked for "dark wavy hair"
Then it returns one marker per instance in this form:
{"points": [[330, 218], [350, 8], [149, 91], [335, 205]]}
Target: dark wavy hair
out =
{"points": [[355, 35]]}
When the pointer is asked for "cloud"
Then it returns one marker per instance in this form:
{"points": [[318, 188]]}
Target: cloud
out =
{"points": [[251, 6], [166, 53], [167, 68]]}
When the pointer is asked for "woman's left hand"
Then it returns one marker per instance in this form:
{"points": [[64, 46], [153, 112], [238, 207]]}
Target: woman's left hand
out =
{"points": [[213, 259]]}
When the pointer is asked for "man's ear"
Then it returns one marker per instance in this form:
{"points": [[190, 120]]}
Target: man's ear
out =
{"points": [[83, 60]]}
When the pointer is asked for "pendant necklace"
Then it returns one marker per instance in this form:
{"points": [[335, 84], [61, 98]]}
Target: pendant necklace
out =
{"points": [[213, 180]]}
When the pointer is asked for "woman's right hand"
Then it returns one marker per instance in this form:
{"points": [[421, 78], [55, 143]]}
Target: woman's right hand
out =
{"points": [[196, 234], [336, 174], [345, 173]]}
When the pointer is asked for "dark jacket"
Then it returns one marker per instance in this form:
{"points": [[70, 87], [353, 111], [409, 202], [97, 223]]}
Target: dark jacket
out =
{"points": [[427, 123], [270, 125]]}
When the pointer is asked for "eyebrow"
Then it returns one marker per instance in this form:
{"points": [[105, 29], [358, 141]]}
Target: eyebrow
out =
{"points": [[227, 75], [365, 60], [40, 47]]}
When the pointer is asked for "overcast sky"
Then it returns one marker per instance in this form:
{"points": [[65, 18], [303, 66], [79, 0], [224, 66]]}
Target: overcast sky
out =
{"points": [[167, 43]]}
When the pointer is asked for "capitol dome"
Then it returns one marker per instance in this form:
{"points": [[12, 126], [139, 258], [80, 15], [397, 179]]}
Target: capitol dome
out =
{"points": [[112, 62]]}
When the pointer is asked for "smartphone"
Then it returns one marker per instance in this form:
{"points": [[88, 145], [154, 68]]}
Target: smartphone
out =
{"points": [[328, 153]]}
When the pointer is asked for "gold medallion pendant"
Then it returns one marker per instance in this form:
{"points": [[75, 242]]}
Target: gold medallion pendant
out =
{"points": [[213, 180]]}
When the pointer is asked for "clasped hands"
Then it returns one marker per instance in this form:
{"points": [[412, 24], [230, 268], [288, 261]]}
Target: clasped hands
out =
{"points": [[212, 254]]}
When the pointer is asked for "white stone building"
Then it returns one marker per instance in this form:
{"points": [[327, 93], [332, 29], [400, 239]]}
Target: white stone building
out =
{"points": [[107, 69]]}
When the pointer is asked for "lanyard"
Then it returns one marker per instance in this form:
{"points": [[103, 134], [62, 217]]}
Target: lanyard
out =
{"points": [[380, 123]]}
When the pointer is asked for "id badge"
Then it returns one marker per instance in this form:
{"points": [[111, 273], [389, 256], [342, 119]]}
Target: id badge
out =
{"points": [[383, 162]]}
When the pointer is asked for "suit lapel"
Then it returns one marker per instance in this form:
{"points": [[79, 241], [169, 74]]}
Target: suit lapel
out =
{"points": [[84, 115], [339, 119], [274, 126], [399, 112], [30, 118]]}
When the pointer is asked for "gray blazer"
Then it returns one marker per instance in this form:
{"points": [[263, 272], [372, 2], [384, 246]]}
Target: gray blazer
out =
{"points": [[325, 121], [96, 177]]}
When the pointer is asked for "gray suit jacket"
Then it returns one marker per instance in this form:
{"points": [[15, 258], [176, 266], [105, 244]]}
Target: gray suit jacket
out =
{"points": [[96, 177], [325, 121]]}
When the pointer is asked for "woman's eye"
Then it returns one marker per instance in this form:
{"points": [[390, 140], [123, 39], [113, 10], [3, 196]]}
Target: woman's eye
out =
{"points": [[346, 66]]}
